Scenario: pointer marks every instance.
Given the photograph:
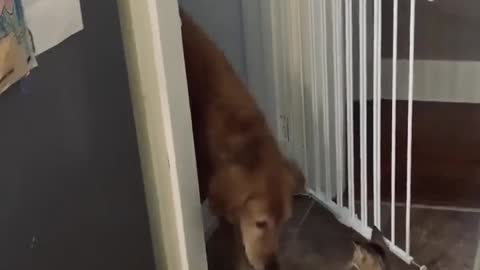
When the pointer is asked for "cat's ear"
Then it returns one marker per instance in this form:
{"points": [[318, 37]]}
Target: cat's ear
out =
{"points": [[377, 238], [358, 250]]}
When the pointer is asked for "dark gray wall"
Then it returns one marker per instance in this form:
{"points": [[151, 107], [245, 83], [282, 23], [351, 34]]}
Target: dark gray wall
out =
{"points": [[71, 192]]}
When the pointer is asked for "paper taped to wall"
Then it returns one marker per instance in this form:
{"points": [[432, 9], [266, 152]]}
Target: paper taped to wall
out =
{"points": [[52, 21], [16, 49]]}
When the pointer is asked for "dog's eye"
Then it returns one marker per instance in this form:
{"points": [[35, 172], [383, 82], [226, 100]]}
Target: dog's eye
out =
{"points": [[261, 224]]}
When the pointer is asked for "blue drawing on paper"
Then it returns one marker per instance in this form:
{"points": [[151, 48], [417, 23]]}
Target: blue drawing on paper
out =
{"points": [[12, 21]]}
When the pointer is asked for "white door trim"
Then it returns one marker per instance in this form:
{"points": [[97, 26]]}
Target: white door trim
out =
{"points": [[154, 55]]}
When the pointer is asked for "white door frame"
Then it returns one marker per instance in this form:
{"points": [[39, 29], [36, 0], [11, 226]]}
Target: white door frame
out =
{"points": [[154, 55]]}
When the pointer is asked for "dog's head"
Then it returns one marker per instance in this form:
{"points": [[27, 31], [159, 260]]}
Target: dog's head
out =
{"points": [[259, 201]]}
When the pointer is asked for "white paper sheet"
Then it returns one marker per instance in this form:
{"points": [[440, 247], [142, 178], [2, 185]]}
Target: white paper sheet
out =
{"points": [[52, 21]]}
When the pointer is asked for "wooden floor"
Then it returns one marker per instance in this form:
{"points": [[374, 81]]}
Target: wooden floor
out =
{"points": [[314, 239], [445, 156]]}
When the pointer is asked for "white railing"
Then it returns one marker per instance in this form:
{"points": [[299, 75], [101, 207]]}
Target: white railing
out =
{"points": [[327, 55]]}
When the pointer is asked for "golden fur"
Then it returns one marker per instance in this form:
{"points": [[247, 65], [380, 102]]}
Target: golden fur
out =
{"points": [[241, 169]]}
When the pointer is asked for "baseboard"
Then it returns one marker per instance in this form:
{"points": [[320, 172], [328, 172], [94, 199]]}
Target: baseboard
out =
{"points": [[435, 80], [210, 222]]}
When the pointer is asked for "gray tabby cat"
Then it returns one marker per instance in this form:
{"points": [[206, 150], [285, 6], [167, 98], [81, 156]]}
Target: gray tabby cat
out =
{"points": [[370, 255]]}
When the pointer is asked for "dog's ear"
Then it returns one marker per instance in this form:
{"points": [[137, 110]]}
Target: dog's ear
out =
{"points": [[228, 192], [298, 183]]}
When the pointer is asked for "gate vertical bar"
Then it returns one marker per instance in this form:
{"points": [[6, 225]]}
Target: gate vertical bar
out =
{"points": [[291, 76], [409, 130], [315, 90], [363, 107], [283, 56], [299, 47], [476, 264], [377, 99], [325, 104], [337, 44], [394, 120], [349, 101]]}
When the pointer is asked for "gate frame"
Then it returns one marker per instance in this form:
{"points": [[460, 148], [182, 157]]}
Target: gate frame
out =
{"points": [[265, 73]]}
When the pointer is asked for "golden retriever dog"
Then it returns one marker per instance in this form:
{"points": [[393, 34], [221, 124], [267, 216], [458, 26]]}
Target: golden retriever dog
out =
{"points": [[241, 169]]}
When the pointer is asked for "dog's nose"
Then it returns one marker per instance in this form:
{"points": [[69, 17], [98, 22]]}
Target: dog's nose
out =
{"points": [[272, 264]]}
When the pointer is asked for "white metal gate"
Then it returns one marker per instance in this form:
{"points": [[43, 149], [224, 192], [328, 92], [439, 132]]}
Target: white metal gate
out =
{"points": [[326, 56]]}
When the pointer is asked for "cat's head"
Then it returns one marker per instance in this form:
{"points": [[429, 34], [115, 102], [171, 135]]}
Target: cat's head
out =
{"points": [[371, 255]]}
